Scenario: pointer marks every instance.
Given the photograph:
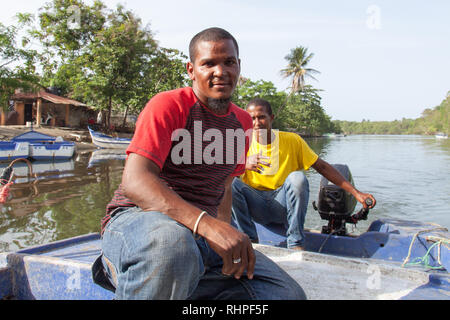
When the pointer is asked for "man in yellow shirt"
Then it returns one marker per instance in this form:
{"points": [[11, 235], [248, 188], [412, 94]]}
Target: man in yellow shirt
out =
{"points": [[274, 188]]}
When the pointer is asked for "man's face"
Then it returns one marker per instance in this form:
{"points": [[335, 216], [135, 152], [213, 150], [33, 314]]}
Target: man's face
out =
{"points": [[215, 70], [261, 118], [262, 123]]}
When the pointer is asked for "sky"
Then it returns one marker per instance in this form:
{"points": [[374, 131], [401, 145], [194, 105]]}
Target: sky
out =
{"points": [[378, 60]]}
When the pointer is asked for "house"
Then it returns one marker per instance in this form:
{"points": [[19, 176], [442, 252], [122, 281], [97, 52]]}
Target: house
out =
{"points": [[43, 107]]}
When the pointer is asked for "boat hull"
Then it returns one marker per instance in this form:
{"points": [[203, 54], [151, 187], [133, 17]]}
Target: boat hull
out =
{"points": [[13, 150], [103, 144], [62, 271], [55, 150], [43, 147], [107, 142]]}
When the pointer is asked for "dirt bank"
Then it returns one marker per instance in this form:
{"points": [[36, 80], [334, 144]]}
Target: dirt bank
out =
{"points": [[80, 136]]}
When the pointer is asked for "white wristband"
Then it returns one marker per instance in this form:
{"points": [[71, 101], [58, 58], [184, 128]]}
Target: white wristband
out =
{"points": [[196, 224]]}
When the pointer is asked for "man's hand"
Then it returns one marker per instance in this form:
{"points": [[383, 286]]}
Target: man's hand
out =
{"points": [[362, 197], [231, 245], [255, 162], [329, 172], [142, 185]]}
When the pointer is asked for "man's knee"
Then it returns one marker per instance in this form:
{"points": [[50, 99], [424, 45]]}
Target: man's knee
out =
{"points": [[237, 185], [173, 241], [297, 181], [153, 234]]}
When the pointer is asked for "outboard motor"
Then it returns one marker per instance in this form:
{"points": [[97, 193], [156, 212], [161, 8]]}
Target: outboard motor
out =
{"points": [[336, 205]]}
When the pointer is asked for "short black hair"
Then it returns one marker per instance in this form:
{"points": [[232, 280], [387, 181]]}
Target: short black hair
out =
{"points": [[261, 102], [210, 34]]}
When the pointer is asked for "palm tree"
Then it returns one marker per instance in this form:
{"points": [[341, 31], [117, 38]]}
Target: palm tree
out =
{"points": [[298, 59], [296, 68]]}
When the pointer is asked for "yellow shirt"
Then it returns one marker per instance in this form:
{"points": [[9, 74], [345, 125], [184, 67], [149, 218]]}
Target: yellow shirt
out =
{"points": [[288, 152]]}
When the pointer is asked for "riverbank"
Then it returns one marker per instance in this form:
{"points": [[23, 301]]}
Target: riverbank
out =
{"points": [[81, 137]]}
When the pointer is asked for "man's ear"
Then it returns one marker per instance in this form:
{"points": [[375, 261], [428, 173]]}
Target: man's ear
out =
{"points": [[190, 70]]}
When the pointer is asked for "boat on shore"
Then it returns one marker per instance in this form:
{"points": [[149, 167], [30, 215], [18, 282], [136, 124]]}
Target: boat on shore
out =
{"points": [[104, 141]]}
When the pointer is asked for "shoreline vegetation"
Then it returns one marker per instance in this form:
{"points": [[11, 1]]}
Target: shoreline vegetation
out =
{"points": [[108, 59], [431, 122]]}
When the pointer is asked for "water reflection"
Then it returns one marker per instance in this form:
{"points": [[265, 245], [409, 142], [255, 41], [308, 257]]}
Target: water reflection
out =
{"points": [[409, 176], [59, 200], [320, 145]]}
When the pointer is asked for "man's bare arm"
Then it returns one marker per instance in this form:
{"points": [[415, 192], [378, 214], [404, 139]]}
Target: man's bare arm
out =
{"points": [[142, 185], [329, 172]]}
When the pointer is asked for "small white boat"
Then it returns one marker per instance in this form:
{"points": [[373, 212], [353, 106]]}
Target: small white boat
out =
{"points": [[441, 136], [107, 142], [334, 135], [10, 150], [42, 146]]}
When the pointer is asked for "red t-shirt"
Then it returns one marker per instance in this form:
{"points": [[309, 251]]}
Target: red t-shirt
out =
{"points": [[195, 149]]}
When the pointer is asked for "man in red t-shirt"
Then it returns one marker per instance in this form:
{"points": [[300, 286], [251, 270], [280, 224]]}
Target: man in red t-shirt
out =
{"points": [[167, 232]]}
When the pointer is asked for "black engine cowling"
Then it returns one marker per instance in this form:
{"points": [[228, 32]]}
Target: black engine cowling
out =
{"points": [[335, 204]]}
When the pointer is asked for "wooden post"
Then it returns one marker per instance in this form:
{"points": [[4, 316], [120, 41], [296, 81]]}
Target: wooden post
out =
{"points": [[67, 115], [38, 112], [20, 108], [3, 118]]}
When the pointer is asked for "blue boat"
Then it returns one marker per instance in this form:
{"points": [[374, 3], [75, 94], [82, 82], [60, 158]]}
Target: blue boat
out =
{"points": [[43, 147], [10, 150], [366, 267], [392, 260]]}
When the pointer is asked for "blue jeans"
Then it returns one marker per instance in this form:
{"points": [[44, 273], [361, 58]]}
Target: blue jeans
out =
{"points": [[148, 255], [286, 205]]}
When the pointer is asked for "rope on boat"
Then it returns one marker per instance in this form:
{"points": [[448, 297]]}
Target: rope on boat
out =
{"points": [[6, 179], [425, 260]]}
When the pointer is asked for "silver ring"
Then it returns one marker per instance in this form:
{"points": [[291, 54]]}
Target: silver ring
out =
{"points": [[236, 261]]}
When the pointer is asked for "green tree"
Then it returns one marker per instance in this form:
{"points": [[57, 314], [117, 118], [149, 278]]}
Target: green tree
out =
{"points": [[105, 58], [248, 90], [17, 69], [305, 114], [114, 62], [298, 60], [297, 69]]}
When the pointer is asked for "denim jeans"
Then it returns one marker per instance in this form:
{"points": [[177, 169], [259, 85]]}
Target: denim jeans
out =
{"points": [[286, 205], [149, 256]]}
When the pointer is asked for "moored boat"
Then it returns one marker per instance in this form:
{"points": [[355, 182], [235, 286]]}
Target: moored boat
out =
{"points": [[10, 150], [43, 147], [441, 135], [104, 141]]}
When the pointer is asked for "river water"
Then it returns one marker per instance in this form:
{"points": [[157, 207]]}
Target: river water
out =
{"points": [[408, 175]]}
